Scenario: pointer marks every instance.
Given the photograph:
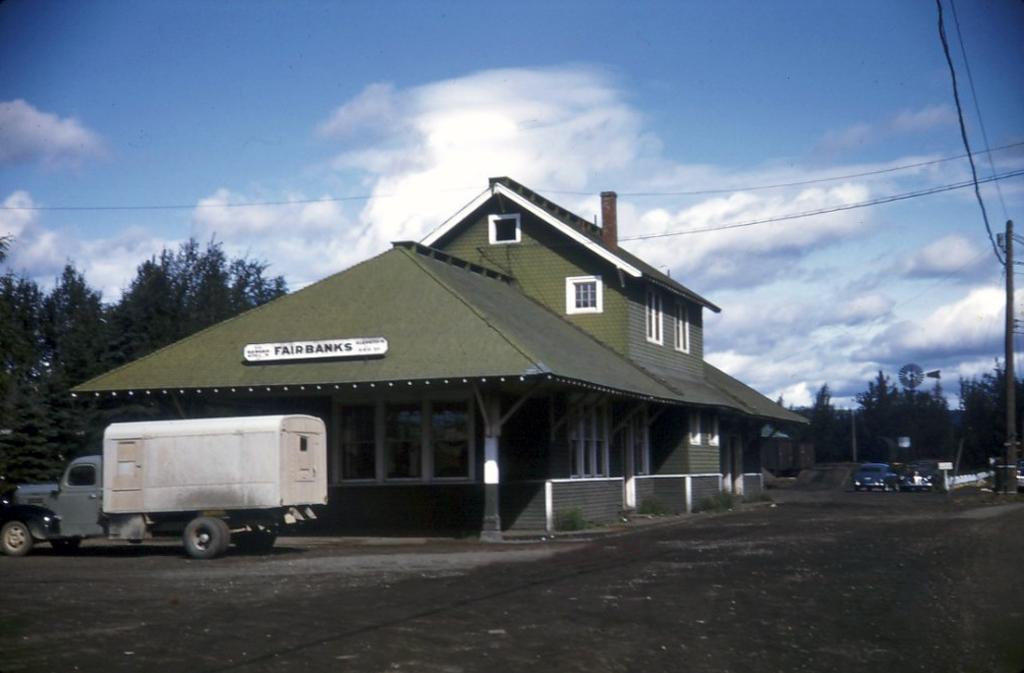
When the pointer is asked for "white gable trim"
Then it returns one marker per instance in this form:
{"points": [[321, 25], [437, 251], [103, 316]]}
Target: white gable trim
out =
{"points": [[449, 224], [568, 231], [498, 188]]}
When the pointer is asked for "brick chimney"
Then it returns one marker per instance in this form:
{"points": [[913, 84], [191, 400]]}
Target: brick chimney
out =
{"points": [[609, 220]]}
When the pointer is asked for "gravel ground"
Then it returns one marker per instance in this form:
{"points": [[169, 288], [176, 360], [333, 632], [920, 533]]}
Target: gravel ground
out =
{"points": [[822, 581]]}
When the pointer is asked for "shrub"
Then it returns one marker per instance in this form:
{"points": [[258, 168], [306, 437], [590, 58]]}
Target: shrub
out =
{"points": [[570, 519], [720, 502], [652, 506]]}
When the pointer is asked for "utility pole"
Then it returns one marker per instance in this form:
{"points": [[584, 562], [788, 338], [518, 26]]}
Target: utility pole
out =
{"points": [[1009, 466]]}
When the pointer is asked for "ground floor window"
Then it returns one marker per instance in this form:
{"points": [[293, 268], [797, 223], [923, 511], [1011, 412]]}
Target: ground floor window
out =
{"points": [[403, 440], [417, 440], [636, 441], [451, 439], [356, 442], [588, 440]]}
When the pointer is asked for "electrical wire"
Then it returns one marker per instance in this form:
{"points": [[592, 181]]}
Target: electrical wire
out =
{"points": [[963, 132], [364, 197], [977, 105], [780, 185], [834, 209]]}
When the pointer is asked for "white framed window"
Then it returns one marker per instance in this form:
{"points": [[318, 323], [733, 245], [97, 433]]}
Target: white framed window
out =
{"points": [[695, 434], [654, 317], [504, 229], [712, 429], [418, 440], [584, 294], [588, 440], [639, 442], [682, 327]]}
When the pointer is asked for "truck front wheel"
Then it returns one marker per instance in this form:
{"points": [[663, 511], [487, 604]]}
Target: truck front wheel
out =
{"points": [[16, 538], [206, 537]]}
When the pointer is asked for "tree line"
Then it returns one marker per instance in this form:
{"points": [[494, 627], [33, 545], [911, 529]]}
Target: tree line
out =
{"points": [[971, 434], [52, 340]]}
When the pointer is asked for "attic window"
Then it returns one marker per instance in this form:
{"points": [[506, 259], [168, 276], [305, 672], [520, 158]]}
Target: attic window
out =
{"points": [[503, 229], [584, 294]]}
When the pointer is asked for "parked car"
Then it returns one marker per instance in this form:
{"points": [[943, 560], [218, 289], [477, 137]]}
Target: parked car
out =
{"points": [[1020, 476], [921, 475], [21, 525], [875, 476]]}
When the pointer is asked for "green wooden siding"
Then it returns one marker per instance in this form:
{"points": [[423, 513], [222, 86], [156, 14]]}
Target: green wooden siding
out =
{"points": [[540, 263], [663, 356]]}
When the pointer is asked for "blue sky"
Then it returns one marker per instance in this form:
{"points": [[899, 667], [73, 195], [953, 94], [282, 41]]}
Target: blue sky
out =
{"points": [[206, 105]]}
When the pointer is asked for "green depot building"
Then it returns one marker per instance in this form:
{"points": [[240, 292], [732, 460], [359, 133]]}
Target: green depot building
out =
{"points": [[514, 367]]}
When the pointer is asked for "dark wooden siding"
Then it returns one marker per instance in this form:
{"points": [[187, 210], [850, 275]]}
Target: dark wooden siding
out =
{"points": [[522, 506], [752, 485], [703, 487], [435, 507], [598, 501]]}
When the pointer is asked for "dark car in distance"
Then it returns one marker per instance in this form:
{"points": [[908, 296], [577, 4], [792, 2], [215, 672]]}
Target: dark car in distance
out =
{"points": [[922, 475], [875, 476]]}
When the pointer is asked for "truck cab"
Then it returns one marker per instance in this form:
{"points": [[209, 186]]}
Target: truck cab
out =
{"points": [[74, 502]]}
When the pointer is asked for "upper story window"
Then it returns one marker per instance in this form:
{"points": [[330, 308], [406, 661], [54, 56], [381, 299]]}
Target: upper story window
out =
{"points": [[584, 294], [654, 317], [682, 327], [503, 229]]}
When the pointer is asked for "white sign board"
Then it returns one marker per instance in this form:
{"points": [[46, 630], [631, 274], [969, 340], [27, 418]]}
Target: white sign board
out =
{"points": [[945, 466], [359, 347]]}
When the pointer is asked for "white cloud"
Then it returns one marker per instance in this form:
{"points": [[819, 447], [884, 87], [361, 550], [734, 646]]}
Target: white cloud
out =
{"points": [[554, 128], [863, 134], [307, 239], [972, 325], [948, 255], [925, 119], [28, 134], [865, 308]]}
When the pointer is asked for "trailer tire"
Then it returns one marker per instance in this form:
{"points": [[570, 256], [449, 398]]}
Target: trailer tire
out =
{"points": [[206, 537], [16, 538]]}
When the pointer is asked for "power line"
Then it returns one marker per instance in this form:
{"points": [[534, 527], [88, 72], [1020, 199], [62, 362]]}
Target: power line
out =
{"points": [[797, 183], [833, 209], [365, 197], [963, 132], [977, 105]]}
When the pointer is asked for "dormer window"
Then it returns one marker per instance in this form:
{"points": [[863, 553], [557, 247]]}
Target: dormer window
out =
{"points": [[503, 229], [584, 294]]}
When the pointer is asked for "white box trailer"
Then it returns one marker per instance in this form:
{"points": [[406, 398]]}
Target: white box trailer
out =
{"points": [[236, 463], [212, 480]]}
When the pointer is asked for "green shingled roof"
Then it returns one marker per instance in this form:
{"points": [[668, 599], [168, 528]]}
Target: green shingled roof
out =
{"points": [[441, 320]]}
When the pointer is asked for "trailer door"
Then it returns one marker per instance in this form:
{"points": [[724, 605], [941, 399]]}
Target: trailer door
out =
{"points": [[126, 489]]}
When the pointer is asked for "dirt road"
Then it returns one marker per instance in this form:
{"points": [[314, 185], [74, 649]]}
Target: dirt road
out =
{"points": [[822, 582]]}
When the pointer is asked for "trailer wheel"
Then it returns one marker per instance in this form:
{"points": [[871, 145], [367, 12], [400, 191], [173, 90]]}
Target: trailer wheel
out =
{"points": [[16, 538], [206, 537]]}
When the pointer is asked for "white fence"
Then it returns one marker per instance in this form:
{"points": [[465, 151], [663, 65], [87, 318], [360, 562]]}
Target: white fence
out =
{"points": [[970, 478]]}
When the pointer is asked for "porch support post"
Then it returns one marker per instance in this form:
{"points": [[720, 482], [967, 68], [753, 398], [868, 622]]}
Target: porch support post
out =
{"points": [[490, 409]]}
